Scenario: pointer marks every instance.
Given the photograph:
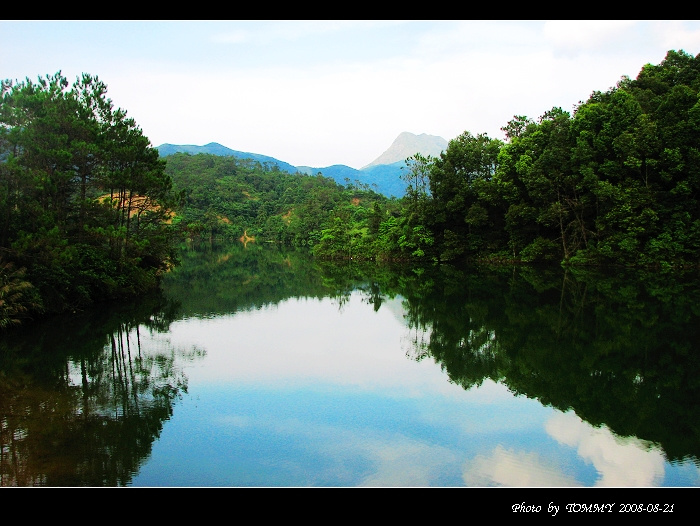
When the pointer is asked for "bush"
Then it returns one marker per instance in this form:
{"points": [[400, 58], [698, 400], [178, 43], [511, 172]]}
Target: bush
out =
{"points": [[541, 250], [17, 296]]}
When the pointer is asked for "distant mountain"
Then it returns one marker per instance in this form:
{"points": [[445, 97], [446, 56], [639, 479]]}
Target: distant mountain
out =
{"points": [[382, 178], [407, 144], [383, 175], [386, 179], [215, 148], [339, 171]]}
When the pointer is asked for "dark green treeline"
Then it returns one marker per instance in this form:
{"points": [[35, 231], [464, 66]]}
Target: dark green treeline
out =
{"points": [[89, 212], [84, 200], [615, 183], [615, 346]]}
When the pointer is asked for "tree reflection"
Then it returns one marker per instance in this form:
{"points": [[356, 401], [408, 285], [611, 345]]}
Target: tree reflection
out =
{"points": [[618, 349], [83, 398]]}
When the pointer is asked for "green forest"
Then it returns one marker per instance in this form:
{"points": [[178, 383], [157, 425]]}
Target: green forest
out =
{"points": [[85, 203], [89, 211]]}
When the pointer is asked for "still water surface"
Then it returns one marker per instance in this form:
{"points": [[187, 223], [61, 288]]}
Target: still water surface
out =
{"points": [[263, 368]]}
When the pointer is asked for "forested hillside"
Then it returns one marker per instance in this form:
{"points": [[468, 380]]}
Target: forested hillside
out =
{"points": [[88, 210], [85, 204], [227, 197], [615, 183]]}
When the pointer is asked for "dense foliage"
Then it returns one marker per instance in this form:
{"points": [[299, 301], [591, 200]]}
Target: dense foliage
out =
{"points": [[84, 199], [616, 183], [87, 208], [230, 198]]}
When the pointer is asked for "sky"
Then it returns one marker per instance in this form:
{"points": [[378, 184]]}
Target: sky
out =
{"points": [[322, 92]]}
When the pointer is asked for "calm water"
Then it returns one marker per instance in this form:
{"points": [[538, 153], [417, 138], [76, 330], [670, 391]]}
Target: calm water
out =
{"points": [[259, 367]]}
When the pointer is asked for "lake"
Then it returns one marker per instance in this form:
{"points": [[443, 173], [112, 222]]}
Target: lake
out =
{"points": [[261, 367]]}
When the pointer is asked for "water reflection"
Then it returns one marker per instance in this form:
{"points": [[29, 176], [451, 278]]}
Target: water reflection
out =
{"points": [[618, 351], [617, 461], [82, 398], [263, 367]]}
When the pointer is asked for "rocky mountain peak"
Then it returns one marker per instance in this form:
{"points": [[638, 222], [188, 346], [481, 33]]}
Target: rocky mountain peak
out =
{"points": [[408, 144]]}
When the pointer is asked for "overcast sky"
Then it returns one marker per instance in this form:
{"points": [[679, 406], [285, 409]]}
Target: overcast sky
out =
{"points": [[318, 93]]}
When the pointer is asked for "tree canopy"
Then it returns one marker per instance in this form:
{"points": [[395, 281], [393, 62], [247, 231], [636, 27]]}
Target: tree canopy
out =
{"points": [[85, 201], [615, 183], [89, 211]]}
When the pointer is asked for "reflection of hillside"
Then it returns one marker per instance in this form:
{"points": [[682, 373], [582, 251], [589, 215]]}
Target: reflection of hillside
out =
{"points": [[84, 397], [82, 408], [619, 351], [226, 279]]}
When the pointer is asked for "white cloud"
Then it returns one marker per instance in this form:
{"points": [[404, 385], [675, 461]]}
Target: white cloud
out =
{"points": [[285, 32], [506, 467], [582, 35], [301, 352], [404, 462], [231, 37], [679, 34], [620, 462]]}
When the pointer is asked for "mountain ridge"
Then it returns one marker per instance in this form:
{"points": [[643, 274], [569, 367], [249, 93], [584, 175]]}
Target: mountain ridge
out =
{"points": [[383, 174], [408, 144]]}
